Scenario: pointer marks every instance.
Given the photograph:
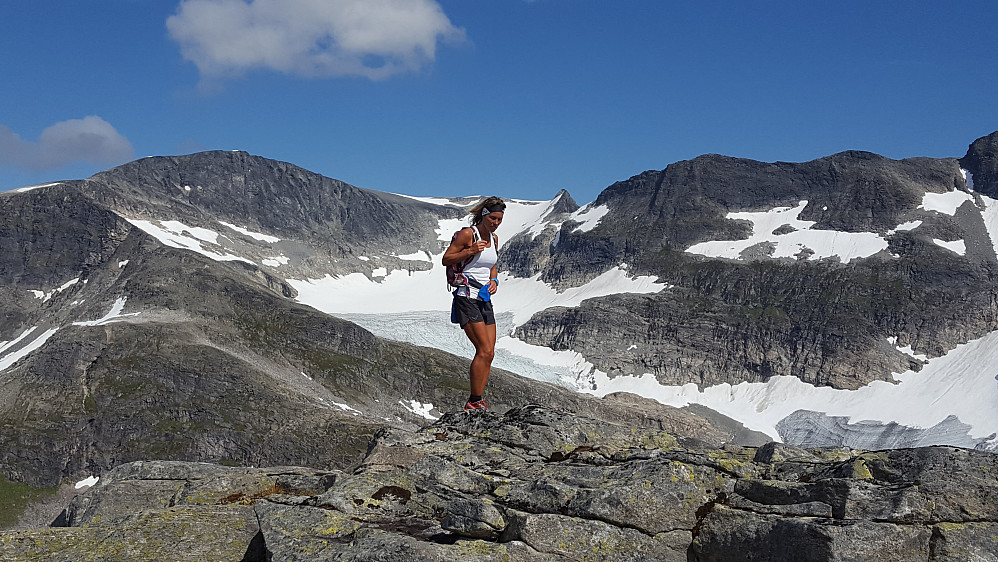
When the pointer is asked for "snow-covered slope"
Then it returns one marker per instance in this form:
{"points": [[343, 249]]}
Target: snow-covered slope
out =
{"points": [[414, 306]]}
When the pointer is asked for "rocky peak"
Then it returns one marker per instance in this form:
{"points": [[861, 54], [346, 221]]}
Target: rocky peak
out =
{"points": [[270, 195], [563, 203], [981, 160]]}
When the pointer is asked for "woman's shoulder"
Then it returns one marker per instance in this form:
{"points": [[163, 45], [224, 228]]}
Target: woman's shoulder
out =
{"points": [[464, 233]]}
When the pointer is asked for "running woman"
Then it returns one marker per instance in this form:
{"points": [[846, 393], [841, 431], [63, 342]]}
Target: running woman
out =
{"points": [[472, 308]]}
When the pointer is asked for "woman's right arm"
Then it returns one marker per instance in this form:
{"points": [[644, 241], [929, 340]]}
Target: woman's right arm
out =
{"points": [[462, 248]]}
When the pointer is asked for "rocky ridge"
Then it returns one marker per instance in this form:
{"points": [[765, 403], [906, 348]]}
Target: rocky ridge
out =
{"points": [[541, 484]]}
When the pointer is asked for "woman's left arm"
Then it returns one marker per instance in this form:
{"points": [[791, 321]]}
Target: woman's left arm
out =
{"points": [[494, 272]]}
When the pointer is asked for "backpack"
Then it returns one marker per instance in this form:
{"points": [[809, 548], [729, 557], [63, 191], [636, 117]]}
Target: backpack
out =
{"points": [[455, 272]]}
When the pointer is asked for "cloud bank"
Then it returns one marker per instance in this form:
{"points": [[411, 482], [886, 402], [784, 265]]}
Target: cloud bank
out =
{"points": [[90, 139], [322, 38]]}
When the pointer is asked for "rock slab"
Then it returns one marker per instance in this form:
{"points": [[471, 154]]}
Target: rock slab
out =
{"points": [[541, 484]]}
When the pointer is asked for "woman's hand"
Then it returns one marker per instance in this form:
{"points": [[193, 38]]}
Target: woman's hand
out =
{"points": [[477, 247], [493, 287]]}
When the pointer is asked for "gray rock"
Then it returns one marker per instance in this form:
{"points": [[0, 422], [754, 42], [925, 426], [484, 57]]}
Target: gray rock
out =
{"points": [[731, 535], [539, 484], [965, 542], [583, 539]]}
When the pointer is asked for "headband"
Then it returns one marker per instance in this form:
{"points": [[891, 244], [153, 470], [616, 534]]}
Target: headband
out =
{"points": [[497, 208]]}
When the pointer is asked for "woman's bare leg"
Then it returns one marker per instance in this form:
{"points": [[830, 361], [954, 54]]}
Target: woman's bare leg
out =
{"points": [[483, 337]]}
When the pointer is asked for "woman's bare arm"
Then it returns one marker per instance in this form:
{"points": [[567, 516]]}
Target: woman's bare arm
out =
{"points": [[462, 248]]}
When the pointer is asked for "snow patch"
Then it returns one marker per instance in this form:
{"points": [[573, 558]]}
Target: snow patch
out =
{"points": [[4, 346], [420, 409], [421, 255], [589, 217], [46, 296], [112, 316], [34, 187], [276, 261], [822, 243], [905, 226], [178, 235], [960, 383], [15, 356], [434, 200], [524, 216], [525, 297], [355, 293], [968, 178], [990, 216], [203, 234], [122, 264], [251, 234], [346, 408], [68, 284], [907, 350], [957, 246], [87, 482], [946, 203]]}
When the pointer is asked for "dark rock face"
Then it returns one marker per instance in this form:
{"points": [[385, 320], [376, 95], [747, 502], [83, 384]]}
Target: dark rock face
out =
{"points": [[540, 484], [982, 161], [34, 255], [326, 223]]}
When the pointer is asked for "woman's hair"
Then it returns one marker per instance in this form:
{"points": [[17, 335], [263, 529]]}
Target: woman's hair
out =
{"points": [[491, 204]]}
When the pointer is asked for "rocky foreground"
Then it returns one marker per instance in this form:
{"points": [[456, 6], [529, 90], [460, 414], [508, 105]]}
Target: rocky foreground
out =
{"points": [[538, 484]]}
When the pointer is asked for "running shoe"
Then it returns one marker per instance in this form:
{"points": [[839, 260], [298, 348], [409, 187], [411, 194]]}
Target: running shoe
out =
{"points": [[480, 405]]}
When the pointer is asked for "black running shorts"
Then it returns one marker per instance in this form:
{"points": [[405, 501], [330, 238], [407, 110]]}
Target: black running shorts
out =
{"points": [[466, 310]]}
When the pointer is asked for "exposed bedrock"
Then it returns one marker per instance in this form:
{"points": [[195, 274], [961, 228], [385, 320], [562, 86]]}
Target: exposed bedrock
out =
{"points": [[540, 484]]}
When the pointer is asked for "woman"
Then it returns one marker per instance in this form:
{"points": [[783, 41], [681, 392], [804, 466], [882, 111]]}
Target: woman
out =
{"points": [[472, 307]]}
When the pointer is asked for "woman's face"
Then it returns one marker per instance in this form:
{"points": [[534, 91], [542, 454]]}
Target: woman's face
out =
{"points": [[492, 220]]}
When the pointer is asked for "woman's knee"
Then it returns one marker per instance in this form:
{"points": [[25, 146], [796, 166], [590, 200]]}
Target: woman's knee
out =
{"points": [[487, 353]]}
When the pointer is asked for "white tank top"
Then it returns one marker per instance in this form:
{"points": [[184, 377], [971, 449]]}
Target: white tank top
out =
{"points": [[480, 267]]}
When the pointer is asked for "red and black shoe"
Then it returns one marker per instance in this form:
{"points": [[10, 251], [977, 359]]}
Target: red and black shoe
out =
{"points": [[479, 405]]}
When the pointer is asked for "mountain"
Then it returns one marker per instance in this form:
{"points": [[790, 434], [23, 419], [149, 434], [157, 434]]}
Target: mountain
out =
{"points": [[226, 308], [838, 272]]}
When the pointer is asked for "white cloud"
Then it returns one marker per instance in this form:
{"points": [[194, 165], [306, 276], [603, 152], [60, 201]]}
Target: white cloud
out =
{"points": [[90, 139], [370, 38]]}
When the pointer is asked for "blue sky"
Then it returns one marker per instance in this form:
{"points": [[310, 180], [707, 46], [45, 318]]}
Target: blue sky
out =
{"points": [[508, 97]]}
